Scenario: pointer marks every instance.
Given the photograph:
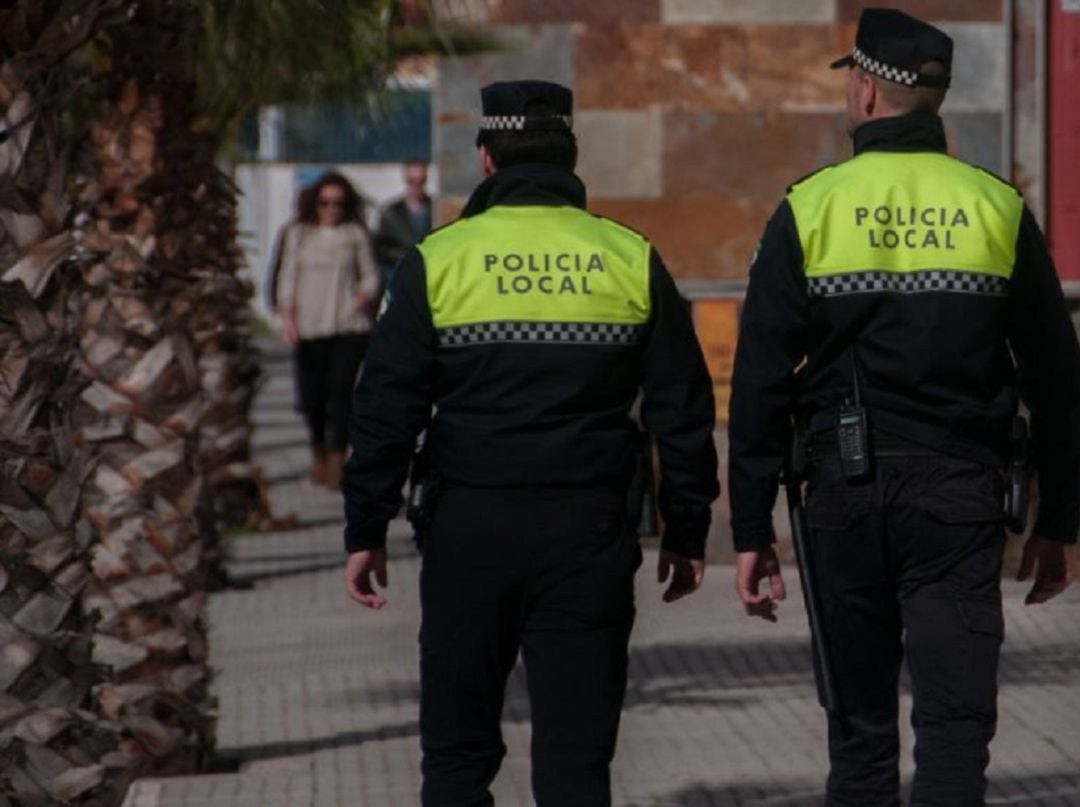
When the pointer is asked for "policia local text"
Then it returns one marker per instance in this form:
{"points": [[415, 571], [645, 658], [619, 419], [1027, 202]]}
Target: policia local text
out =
{"points": [[574, 269], [912, 227]]}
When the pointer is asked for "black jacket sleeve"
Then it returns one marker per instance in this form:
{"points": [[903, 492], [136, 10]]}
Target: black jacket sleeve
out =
{"points": [[772, 331], [677, 408], [391, 406], [392, 235], [1043, 341]]}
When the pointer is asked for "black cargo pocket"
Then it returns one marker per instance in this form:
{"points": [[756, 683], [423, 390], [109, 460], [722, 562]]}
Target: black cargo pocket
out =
{"points": [[835, 505], [961, 492], [835, 513], [985, 626]]}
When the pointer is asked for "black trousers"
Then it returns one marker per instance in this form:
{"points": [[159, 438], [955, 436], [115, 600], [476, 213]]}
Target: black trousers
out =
{"points": [[549, 573], [325, 374], [909, 563]]}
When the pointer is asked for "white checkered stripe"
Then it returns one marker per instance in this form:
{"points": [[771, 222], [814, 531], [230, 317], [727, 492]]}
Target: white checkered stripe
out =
{"points": [[908, 283], [550, 333], [514, 122], [885, 71]]}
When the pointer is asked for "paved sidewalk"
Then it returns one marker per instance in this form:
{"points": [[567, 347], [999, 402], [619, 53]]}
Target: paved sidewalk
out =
{"points": [[318, 696]]}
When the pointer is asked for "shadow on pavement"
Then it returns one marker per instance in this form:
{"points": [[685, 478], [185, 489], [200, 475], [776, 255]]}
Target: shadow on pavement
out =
{"points": [[288, 748], [292, 438], [749, 794], [241, 575], [1045, 664]]}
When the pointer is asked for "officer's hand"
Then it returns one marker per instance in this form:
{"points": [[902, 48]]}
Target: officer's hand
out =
{"points": [[687, 576], [358, 570], [750, 569], [1056, 568]]}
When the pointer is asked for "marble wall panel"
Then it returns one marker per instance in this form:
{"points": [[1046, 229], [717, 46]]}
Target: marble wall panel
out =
{"points": [[585, 11], [933, 10], [677, 12], [747, 156], [976, 138], [470, 12], [620, 152], [1029, 164], [725, 68], [701, 239], [980, 59]]}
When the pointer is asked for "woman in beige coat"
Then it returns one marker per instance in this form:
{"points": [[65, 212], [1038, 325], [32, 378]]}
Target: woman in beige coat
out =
{"points": [[326, 293]]}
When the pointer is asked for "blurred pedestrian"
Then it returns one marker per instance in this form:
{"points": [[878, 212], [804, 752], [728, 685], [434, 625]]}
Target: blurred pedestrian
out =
{"points": [[900, 303], [326, 289], [273, 271], [530, 543], [404, 221]]}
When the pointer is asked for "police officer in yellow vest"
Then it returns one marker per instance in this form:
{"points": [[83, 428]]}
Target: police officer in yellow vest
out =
{"points": [[531, 326], [890, 297]]}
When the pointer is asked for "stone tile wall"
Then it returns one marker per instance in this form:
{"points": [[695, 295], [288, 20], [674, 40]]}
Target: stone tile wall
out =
{"points": [[693, 116]]}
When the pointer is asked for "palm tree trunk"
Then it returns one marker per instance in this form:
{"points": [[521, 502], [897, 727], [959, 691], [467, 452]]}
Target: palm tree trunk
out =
{"points": [[53, 748], [148, 499]]}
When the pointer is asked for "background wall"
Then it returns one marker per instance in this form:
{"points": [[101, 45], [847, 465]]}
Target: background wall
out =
{"points": [[694, 116]]}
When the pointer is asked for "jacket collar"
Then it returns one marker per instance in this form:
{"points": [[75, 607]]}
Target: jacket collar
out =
{"points": [[917, 131], [530, 184]]}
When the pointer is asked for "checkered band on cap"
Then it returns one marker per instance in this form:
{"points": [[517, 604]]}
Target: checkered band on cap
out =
{"points": [[908, 283], [549, 333], [496, 123], [883, 70]]}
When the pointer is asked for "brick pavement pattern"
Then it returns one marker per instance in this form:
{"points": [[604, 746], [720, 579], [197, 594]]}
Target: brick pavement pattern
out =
{"points": [[318, 696]]}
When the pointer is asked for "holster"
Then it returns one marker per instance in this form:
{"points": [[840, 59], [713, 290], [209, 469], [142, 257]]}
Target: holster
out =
{"points": [[1018, 477], [795, 462], [424, 487], [641, 507]]}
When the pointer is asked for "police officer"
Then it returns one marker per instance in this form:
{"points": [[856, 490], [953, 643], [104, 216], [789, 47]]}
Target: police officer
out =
{"points": [[890, 297], [531, 326]]}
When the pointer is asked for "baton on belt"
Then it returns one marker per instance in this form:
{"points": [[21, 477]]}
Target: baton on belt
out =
{"points": [[792, 479]]}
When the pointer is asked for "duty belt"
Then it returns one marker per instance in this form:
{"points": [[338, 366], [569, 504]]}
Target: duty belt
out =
{"points": [[824, 444]]}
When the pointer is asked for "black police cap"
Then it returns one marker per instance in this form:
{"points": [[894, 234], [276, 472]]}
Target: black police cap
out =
{"points": [[511, 106], [893, 45]]}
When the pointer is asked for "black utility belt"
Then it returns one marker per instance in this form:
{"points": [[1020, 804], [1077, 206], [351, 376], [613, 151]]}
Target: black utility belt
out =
{"points": [[826, 444]]}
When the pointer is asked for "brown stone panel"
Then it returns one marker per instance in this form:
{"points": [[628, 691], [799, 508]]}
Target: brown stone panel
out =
{"points": [[1030, 144], [448, 209], [748, 157], [606, 11], [699, 239], [968, 10], [727, 68]]}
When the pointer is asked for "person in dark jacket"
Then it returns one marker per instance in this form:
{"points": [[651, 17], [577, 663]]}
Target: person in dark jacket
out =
{"points": [[908, 297], [532, 327], [404, 221]]}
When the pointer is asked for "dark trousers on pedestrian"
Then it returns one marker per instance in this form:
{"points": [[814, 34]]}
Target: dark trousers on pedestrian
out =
{"points": [[547, 572], [326, 373], [909, 563]]}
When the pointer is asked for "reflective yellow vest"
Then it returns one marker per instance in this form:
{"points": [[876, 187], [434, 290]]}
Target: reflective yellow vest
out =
{"points": [[537, 274], [906, 222]]}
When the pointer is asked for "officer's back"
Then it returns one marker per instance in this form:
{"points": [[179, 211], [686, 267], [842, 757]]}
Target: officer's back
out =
{"points": [[908, 261], [530, 326], [542, 312], [889, 299]]}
